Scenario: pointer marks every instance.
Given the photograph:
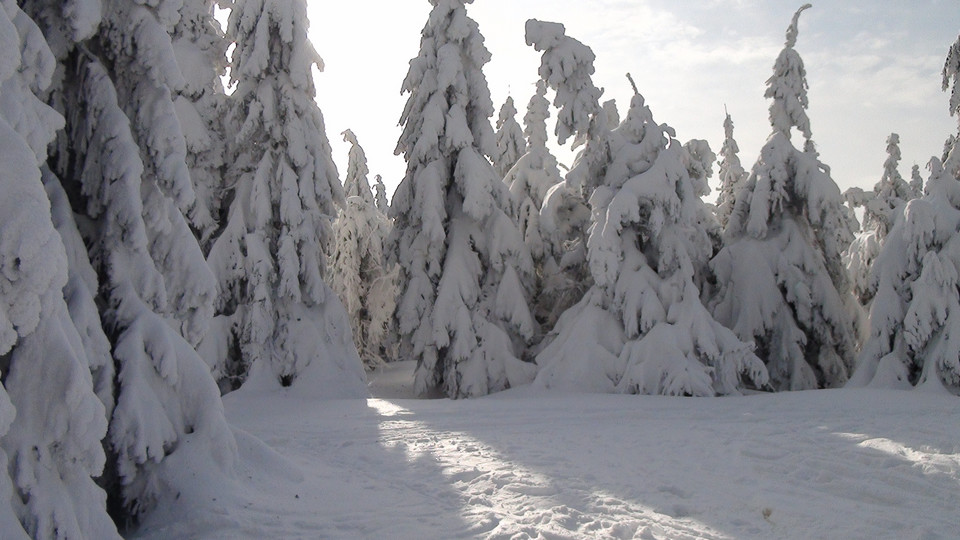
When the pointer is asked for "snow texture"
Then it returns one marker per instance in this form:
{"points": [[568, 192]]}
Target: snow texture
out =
{"points": [[794, 466]]}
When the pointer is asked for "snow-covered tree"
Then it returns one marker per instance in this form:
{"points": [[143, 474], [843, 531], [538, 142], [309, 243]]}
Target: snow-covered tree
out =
{"points": [[200, 48], [463, 311], [530, 180], [359, 273], [881, 207], [279, 323], [780, 276], [51, 420], [122, 165], [383, 205], [510, 142], [642, 328], [951, 78], [915, 314], [138, 53], [916, 182], [731, 173], [566, 66]]}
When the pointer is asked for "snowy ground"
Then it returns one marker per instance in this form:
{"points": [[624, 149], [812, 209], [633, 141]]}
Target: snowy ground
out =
{"points": [[827, 464]]}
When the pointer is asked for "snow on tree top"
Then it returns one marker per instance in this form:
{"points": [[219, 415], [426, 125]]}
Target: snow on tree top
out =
{"points": [[788, 86]]}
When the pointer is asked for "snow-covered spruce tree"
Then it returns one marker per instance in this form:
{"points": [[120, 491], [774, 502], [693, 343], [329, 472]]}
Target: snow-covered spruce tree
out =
{"points": [[698, 159], [915, 315], [138, 53], [642, 327], [781, 277], [358, 270], [567, 67], [510, 142], [279, 324], [51, 421], [530, 180], [916, 182], [463, 312], [881, 207], [383, 205], [125, 174], [200, 48], [951, 78], [731, 175]]}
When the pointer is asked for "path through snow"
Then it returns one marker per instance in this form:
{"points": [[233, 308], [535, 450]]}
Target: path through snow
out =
{"points": [[825, 464]]}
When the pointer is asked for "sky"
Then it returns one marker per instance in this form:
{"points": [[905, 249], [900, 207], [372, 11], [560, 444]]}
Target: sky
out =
{"points": [[873, 68]]}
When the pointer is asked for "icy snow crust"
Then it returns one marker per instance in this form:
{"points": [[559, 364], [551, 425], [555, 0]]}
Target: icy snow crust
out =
{"points": [[522, 464]]}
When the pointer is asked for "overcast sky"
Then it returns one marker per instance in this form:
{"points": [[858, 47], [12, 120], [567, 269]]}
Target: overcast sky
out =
{"points": [[873, 68]]}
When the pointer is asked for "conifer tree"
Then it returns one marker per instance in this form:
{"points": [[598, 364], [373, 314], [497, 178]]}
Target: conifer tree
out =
{"points": [[881, 207], [731, 173], [530, 181], [463, 312], [915, 314], [781, 278], [642, 327], [916, 182], [51, 420], [510, 142], [915, 308], [280, 324], [358, 271], [122, 164], [383, 205], [566, 67], [200, 47]]}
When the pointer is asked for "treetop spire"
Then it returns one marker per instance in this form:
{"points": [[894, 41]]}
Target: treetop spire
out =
{"points": [[793, 29]]}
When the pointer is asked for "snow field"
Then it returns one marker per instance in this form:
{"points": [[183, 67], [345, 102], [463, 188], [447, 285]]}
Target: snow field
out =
{"points": [[822, 464]]}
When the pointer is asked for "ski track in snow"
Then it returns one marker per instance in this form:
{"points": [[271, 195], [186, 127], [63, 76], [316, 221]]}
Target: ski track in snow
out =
{"points": [[826, 464]]}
